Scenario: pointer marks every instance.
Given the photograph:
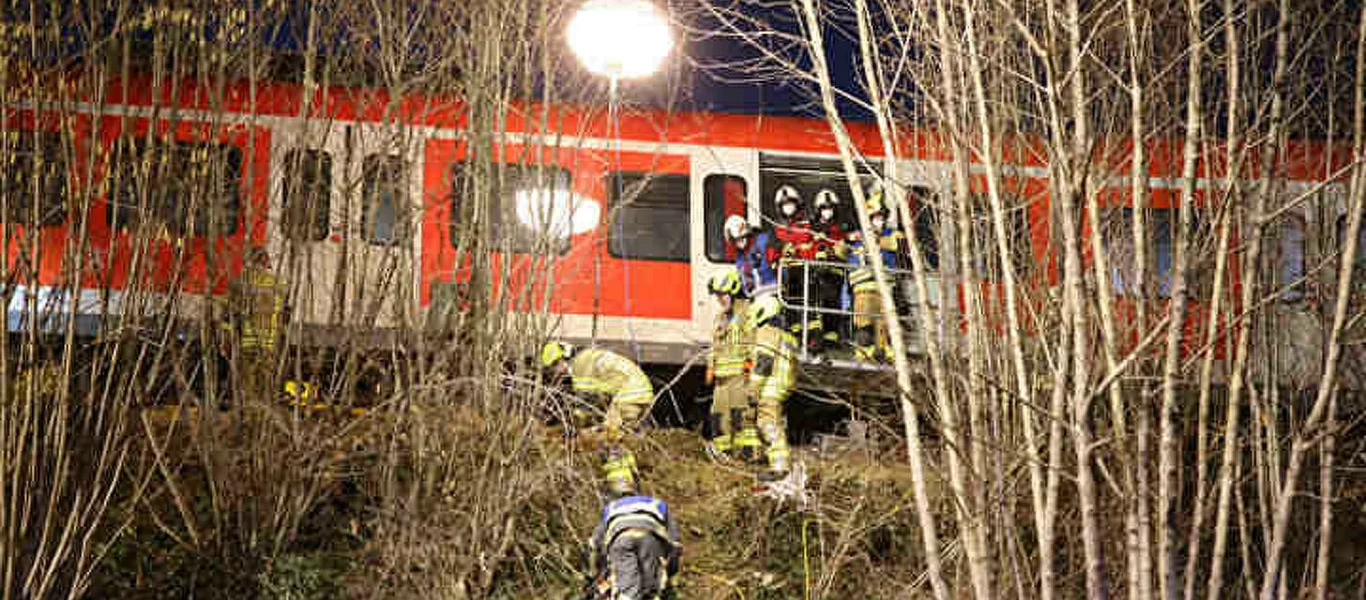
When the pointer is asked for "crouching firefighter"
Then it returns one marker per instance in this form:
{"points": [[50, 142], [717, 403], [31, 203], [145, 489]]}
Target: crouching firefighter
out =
{"points": [[731, 419], [771, 378], [634, 551], [601, 373]]}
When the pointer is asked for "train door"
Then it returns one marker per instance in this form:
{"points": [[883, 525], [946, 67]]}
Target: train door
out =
{"points": [[382, 196], [724, 183], [308, 218]]}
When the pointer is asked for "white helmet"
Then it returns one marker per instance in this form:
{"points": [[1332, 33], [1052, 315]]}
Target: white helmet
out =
{"points": [[824, 198], [736, 227], [785, 195]]}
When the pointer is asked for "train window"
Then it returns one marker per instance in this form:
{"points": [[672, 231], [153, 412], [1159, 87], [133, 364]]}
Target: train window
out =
{"points": [[534, 213], [926, 228], [179, 188], [384, 198], [809, 176], [985, 260], [651, 220], [722, 196], [1290, 258], [1359, 263], [1119, 241], [26, 154], [307, 199]]}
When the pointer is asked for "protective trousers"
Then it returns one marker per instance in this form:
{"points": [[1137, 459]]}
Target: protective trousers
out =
{"points": [[826, 287], [870, 332], [623, 414], [771, 381], [731, 420], [799, 291], [637, 560]]}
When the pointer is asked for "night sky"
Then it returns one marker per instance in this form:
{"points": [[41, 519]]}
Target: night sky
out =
{"points": [[713, 71]]}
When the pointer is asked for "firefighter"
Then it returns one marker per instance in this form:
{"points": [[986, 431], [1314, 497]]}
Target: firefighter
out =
{"points": [[598, 372], [259, 298], [254, 305], [797, 244], [756, 257], [771, 377], [634, 551], [731, 425], [870, 332], [828, 281]]}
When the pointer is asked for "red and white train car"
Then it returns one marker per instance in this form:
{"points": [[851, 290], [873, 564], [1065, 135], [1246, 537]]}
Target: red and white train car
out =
{"points": [[386, 217]]}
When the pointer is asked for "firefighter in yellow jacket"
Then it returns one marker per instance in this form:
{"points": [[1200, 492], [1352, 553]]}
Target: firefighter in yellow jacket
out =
{"points": [[731, 418], [871, 342], [771, 378], [598, 372]]}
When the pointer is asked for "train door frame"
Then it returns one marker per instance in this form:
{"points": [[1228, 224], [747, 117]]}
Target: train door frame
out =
{"points": [[367, 262], [706, 162], [323, 259]]}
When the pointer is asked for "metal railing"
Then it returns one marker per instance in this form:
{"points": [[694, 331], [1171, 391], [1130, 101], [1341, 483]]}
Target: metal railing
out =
{"points": [[803, 305]]}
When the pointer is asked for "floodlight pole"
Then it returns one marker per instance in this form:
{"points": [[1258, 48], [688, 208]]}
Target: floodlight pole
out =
{"points": [[614, 133]]}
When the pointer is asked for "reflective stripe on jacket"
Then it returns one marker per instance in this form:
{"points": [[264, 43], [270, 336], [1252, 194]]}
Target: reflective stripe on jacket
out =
{"points": [[730, 345], [889, 243], [598, 371]]}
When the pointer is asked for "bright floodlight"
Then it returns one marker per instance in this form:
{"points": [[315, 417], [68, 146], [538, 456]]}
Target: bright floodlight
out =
{"points": [[558, 213], [621, 39]]}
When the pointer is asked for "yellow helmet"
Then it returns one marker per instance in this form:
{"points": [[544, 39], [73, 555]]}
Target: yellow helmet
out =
{"points": [[875, 203], [762, 310], [726, 282], [553, 352]]}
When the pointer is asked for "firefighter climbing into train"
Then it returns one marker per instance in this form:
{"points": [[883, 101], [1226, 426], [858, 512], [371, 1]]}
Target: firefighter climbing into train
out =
{"points": [[871, 341], [827, 282], [731, 419], [756, 257], [599, 373], [773, 356]]}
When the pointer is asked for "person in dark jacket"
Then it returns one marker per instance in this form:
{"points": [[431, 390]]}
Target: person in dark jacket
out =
{"points": [[634, 551]]}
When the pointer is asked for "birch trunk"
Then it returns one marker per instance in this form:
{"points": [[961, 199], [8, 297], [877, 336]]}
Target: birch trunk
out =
{"points": [[1169, 577], [1232, 197], [1303, 440], [910, 412]]}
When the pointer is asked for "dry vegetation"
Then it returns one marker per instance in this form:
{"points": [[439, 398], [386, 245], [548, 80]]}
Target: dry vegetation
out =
{"points": [[1041, 455]]}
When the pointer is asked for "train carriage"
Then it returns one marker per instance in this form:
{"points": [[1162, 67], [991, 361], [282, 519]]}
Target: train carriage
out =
{"points": [[370, 189]]}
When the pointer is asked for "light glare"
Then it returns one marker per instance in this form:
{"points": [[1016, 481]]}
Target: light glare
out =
{"points": [[621, 39], [557, 213]]}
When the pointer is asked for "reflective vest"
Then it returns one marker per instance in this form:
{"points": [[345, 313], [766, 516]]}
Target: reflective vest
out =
{"points": [[598, 371], [889, 243], [258, 299], [730, 344], [775, 363]]}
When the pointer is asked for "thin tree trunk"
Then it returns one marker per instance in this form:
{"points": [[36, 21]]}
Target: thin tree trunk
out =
{"points": [[1303, 440], [1169, 576], [1232, 198], [1138, 175], [910, 413], [1326, 460]]}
